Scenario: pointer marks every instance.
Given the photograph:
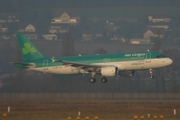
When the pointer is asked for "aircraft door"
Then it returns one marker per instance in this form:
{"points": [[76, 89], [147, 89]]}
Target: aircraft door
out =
{"points": [[148, 57], [45, 64]]}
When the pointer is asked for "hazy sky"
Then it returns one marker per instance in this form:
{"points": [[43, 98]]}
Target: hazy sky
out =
{"points": [[15, 5]]}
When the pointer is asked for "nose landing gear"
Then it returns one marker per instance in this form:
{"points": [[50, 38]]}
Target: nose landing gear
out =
{"points": [[151, 73]]}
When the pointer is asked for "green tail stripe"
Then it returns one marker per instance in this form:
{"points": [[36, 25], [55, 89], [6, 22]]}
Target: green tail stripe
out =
{"points": [[28, 50]]}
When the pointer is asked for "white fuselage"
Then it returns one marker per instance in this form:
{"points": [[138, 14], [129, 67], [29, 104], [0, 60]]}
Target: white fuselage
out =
{"points": [[122, 66]]}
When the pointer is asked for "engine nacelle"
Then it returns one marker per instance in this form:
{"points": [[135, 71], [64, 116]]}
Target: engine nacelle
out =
{"points": [[126, 73], [109, 71]]}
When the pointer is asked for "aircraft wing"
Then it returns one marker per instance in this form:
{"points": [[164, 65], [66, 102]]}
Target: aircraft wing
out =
{"points": [[87, 67]]}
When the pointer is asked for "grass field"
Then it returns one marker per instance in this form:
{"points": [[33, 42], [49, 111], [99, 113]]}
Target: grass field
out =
{"points": [[47, 109]]}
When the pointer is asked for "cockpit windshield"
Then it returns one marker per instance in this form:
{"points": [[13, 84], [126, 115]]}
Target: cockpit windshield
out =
{"points": [[161, 56]]}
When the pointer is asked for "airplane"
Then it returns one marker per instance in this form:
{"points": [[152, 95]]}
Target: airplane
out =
{"points": [[106, 65]]}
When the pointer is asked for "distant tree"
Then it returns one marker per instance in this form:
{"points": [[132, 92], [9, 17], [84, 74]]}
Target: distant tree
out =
{"points": [[35, 15], [28, 15], [126, 29], [17, 80], [174, 86], [100, 51], [42, 27], [159, 79], [47, 15], [14, 6], [12, 28], [139, 26], [175, 22], [68, 45], [76, 32], [6, 57], [157, 44]]}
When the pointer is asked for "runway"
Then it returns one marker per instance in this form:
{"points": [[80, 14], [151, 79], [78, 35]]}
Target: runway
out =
{"points": [[56, 109]]}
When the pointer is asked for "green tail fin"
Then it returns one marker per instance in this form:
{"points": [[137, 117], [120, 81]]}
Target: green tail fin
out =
{"points": [[28, 50]]}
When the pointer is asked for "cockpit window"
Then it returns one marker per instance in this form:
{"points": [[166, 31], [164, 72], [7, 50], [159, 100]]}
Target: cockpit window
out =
{"points": [[161, 56]]}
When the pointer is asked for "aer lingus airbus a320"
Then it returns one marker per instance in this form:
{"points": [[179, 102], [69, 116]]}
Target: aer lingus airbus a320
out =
{"points": [[123, 64]]}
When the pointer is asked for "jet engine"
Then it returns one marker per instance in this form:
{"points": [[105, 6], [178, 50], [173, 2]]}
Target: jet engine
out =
{"points": [[126, 73], [109, 71]]}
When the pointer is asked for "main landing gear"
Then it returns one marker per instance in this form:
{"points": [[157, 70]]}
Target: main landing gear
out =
{"points": [[93, 80], [104, 80], [151, 74]]}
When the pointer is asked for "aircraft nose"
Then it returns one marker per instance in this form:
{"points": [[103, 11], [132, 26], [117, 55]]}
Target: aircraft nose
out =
{"points": [[169, 61]]}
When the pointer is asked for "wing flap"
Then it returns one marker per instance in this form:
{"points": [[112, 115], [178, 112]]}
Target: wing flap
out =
{"points": [[76, 64]]}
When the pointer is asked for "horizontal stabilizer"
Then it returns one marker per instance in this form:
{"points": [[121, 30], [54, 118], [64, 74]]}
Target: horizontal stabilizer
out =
{"points": [[26, 65]]}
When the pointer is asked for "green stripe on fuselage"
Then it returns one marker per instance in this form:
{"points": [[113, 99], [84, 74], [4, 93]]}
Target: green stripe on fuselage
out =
{"points": [[103, 58]]}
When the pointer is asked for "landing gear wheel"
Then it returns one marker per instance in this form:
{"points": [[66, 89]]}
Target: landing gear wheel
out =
{"points": [[92, 80], [152, 76], [104, 80]]}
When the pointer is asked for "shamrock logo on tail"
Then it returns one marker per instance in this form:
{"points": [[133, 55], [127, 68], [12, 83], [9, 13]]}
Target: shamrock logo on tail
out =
{"points": [[28, 49]]}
